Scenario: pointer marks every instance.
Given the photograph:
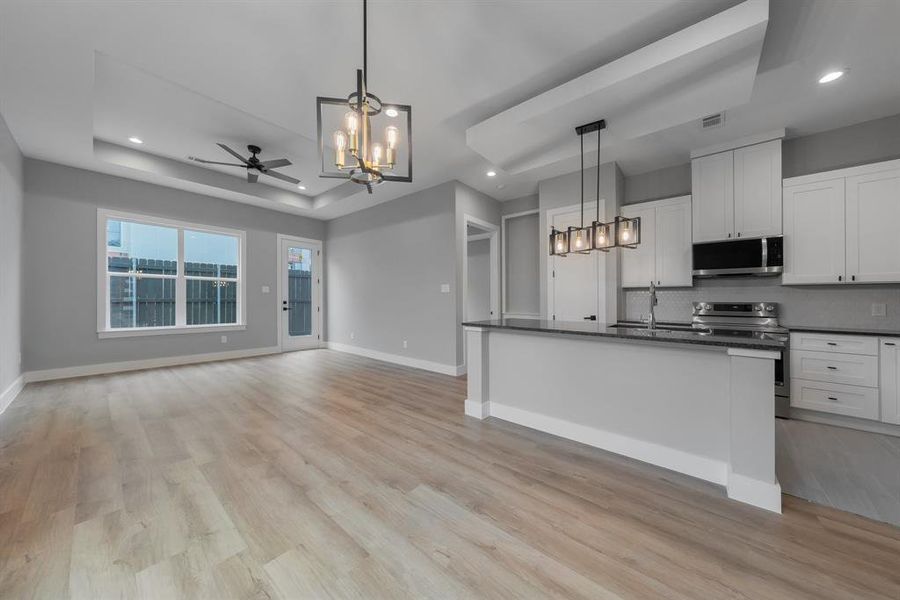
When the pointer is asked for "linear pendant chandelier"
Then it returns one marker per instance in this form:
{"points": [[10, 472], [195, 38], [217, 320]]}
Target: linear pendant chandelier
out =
{"points": [[620, 233], [371, 140]]}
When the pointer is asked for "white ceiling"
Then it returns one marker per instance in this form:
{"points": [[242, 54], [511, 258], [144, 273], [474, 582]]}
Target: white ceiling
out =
{"points": [[226, 71]]}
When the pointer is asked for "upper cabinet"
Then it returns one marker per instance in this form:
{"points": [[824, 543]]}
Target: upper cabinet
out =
{"points": [[737, 193], [664, 255], [840, 226]]}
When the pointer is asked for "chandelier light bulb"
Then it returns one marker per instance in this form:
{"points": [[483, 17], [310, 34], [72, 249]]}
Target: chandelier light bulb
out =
{"points": [[392, 135], [559, 246], [340, 143], [377, 152], [352, 121]]}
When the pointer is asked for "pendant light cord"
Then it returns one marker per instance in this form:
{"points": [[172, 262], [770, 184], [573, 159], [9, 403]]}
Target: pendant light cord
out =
{"points": [[365, 45], [582, 179], [598, 175]]}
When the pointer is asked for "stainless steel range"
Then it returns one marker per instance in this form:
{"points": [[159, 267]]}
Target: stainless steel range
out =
{"points": [[750, 320]]}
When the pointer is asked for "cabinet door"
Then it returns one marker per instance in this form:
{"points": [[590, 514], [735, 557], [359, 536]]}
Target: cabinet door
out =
{"points": [[673, 244], [814, 232], [873, 213], [890, 380], [757, 190], [712, 186], [639, 264]]}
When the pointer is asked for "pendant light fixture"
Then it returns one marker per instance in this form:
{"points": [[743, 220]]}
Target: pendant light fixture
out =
{"points": [[360, 137], [620, 233]]}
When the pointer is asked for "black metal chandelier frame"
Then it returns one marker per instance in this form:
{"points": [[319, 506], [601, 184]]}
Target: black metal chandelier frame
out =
{"points": [[366, 105], [621, 232]]}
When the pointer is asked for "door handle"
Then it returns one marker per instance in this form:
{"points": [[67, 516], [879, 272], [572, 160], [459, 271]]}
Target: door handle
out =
{"points": [[591, 318], [286, 308]]}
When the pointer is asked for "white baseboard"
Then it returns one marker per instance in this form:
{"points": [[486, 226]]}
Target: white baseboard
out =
{"points": [[479, 410], [150, 363], [11, 392], [757, 493], [702, 467], [406, 361], [814, 416]]}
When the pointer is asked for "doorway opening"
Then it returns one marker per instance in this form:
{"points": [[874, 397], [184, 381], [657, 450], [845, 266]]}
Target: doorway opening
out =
{"points": [[299, 295]]}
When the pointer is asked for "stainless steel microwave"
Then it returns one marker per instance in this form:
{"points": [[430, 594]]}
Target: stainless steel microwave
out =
{"points": [[763, 256]]}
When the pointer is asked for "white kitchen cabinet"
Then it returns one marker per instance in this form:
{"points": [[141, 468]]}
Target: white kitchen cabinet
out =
{"points": [[873, 213], [712, 188], [890, 380], [840, 226], [664, 254], [814, 233], [737, 193], [757, 190]]}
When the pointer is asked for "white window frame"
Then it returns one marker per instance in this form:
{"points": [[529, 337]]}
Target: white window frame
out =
{"points": [[181, 326]]}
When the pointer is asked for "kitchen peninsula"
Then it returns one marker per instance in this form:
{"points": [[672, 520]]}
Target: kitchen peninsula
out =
{"points": [[693, 403]]}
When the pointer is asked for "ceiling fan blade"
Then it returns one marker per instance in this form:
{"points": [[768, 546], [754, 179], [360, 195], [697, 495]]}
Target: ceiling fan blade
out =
{"points": [[233, 153], [252, 177], [274, 164], [213, 162], [282, 177]]}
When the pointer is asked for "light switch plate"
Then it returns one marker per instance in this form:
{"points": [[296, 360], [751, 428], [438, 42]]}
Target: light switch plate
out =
{"points": [[445, 288], [878, 309], [265, 289]]}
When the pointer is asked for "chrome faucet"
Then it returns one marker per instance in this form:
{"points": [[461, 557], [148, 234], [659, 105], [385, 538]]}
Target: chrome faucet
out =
{"points": [[651, 320]]}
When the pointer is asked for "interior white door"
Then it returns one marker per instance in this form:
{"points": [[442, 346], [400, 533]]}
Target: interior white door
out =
{"points": [[575, 280], [757, 190], [300, 279], [712, 186], [890, 380], [639, 264], [814, 248], [674, 254], [873, 212]]}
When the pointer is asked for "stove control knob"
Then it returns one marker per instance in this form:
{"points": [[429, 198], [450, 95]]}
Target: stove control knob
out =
{"points": [[770, 307]]}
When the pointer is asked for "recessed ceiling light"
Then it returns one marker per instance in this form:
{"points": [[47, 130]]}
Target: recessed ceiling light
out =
{"points": [[391, 112], [302, 187], [491, 173], [831, 76], [135, 140]]}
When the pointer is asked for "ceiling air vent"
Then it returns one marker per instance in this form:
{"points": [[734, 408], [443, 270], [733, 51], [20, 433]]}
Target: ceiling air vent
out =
{"points": [[716, 120]]}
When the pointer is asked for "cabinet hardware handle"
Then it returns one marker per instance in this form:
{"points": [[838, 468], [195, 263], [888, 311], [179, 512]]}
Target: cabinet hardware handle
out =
{"points": [[832, 368], [739, 234], [890, 344], [729, 235], [840, 278], [853, 278], [832, 398], [831, 343]]}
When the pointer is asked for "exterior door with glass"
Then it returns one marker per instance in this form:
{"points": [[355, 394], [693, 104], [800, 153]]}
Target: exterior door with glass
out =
{"points": [[299, 285]]}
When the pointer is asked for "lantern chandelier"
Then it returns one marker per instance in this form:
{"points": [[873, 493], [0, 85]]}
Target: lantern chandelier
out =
{"points": [[369, 141], [620, 233]]}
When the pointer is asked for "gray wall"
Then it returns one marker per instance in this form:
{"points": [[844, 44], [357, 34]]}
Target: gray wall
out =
{"points": [[384, 270], [60, 256], [11, 206], [468, 201], [522, 204], [662, 183], [478, 302], [522, 248]]}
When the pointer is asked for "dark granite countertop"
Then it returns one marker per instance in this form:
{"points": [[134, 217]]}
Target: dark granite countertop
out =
{"points": [[845, 330], [593, 328]]}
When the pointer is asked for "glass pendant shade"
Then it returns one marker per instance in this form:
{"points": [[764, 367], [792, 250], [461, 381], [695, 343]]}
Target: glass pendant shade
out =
{"points": [[628, 232], [559, 242], [602, 236], [580, 239]]}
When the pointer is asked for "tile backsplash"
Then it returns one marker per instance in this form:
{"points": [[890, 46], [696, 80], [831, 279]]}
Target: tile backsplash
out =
{"points": [[831, 306]]}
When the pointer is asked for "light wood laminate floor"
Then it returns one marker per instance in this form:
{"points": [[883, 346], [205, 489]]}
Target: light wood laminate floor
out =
{"points": [[844, 468], [318, 474]]}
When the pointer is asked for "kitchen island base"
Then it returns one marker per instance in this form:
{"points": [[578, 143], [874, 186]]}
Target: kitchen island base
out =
{"points": [[702, 410]]}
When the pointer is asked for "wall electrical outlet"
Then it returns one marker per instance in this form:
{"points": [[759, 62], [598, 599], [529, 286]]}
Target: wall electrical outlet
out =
{"points": [[445, 288], [404, 344], [224, 339], [878, 309], [266, 289]]}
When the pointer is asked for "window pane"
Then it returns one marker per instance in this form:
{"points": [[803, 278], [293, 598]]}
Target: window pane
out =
{"points": [[211, 302], [210, 254], [300, 291], [137, 302], [140, 248]]}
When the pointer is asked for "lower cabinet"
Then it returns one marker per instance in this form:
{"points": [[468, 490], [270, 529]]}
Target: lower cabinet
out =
{"points": [[836, 398], [890, 380]]}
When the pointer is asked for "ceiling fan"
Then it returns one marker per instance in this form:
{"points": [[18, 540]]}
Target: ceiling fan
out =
{"points": [[253, 165]]}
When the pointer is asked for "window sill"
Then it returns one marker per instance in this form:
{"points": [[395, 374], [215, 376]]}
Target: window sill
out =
{"points": [[121, 333]]}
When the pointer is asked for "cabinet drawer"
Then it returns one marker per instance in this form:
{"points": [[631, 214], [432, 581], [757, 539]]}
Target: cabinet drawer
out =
{"points": [[822, 342], [849, 400], [835, 367]]}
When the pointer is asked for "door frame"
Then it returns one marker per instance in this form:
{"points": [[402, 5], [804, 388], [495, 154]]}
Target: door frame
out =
{"points": [[549, 214], [320, 284], [493, 234]]}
